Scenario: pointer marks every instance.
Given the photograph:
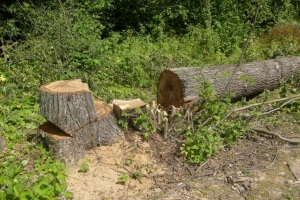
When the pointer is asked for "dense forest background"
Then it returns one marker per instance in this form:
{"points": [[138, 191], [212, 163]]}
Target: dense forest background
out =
{"points": [[119, 47], [123, 44]]}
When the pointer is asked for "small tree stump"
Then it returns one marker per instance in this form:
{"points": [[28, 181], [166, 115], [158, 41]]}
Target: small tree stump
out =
{"points": [[67, 104], [120, 106], [75, 122], [181, 85]]}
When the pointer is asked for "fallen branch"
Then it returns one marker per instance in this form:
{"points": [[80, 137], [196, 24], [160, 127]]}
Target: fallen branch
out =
{"points": [[267, 102], [259, 130], [280, 107]]}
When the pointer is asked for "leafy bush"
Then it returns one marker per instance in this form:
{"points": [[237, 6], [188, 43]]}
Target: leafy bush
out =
{"points": [[212, 127]]}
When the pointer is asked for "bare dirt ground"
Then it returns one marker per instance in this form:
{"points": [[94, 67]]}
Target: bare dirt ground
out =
{"points": [[255, 167]]}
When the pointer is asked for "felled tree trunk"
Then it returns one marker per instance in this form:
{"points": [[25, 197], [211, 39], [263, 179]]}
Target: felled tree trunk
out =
{"points": [[182, 85], [67, 104]]}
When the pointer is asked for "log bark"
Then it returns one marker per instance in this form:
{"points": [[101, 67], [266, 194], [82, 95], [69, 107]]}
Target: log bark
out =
{"points": [[67, 104], [70, 149], [181, 85], [120, 106]]}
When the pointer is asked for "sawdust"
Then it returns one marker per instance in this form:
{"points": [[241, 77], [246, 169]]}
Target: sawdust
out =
{"points": [[106, 165], [253, 168]]}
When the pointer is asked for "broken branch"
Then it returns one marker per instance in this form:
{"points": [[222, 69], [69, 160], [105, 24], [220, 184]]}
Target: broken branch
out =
{"points": [[259, 130]]}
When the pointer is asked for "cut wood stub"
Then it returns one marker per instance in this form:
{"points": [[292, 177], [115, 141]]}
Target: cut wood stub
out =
{"points": [[62, 146], [67, 104], [120, 106], [177, 86]]}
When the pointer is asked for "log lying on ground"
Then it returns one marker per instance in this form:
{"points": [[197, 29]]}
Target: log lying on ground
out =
{"points": [[70, 149], [67, 104], [181, 85], [120, 106]]}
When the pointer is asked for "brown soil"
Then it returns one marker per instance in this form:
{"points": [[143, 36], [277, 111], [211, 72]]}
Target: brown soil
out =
{"points": [[255, 167]]}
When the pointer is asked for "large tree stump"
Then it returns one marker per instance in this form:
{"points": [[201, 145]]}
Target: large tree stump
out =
{"points": [[68, 104], [75, 122], [70, 149], [180, 85]]}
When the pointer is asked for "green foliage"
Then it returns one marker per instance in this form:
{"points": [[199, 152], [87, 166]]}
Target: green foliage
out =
{"points": [[212, 127], [199, 146], [137, 175], [27, 172], [144, 122], [84, 167], [123, 179]]}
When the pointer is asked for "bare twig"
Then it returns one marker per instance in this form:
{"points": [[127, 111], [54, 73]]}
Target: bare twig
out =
{"points": [[200, 167], [295, 176], [166, 128], [260, 130], [273, 160], [267, 102], [276, 109], [158, 117]]}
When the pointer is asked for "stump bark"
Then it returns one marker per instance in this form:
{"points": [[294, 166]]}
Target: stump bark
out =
{"points": [[61, 145], [181, 85], [67, 104]]}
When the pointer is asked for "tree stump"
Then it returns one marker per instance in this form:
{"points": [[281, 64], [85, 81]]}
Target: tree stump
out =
{"points": [[70, 149], [106, 126], [67, 104], [120, 106], [181, 85], [75, 122]]}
